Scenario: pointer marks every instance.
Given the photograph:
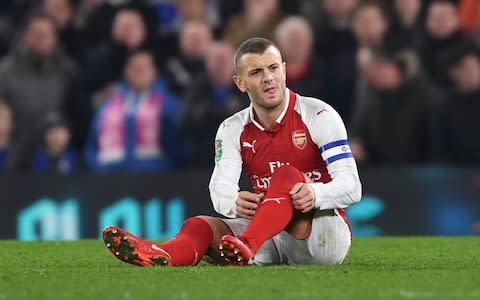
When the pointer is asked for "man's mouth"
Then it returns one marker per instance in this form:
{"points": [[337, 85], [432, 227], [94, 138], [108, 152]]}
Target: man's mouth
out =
{"points": [[270, 90]]}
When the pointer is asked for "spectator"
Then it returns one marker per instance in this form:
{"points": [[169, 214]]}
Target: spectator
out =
{"points": [[333, 33], [61, 12], [136, 128], [294, 36], [336, 47], [406, 26], [55, 155], [458, 117], [175, 15], [93, 19], [105, 63], [195, 39], [39, 64], [393, 122], [259, 18], [442, 32], [149, 16], [212, 98], [370, 27], [6, 126]]}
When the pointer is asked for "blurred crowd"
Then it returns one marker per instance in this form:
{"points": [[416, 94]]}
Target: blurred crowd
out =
{"points": [[138, 85]]}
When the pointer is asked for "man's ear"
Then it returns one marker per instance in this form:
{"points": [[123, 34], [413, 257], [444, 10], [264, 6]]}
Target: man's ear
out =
{"points": [[240, 83]]}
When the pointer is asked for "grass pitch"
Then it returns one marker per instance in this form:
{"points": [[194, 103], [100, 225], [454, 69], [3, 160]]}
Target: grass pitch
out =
{"points": [[380, 268]]}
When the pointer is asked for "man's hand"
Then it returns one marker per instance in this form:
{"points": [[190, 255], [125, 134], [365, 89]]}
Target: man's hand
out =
{"points": [[247, 203], [303, 197]]}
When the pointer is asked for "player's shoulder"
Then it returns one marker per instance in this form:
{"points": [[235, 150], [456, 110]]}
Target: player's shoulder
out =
{"points": [[321, 119], [309, 107], [236, 122]]}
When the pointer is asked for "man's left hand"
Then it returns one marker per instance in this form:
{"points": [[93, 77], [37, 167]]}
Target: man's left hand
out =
{"points": [[303, 197]]}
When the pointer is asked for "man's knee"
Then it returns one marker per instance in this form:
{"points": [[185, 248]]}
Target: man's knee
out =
{"points": [[286, 177], [219, 227], [287, 172]]}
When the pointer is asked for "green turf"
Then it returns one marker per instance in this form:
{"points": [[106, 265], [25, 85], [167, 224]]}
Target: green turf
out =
{"points": [[381, 268]]}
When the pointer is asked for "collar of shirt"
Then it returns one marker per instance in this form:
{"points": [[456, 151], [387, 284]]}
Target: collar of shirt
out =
{"points": [[280, 117]]}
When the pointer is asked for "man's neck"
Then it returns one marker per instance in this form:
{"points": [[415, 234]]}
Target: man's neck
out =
{"points": [[268, 118]]}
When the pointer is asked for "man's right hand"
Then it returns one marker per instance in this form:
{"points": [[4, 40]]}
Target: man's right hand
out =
{"points": [[247, 203]]}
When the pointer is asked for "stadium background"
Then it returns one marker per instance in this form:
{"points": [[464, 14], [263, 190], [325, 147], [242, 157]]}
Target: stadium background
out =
{"points": [[400, 198], [402, 201]]}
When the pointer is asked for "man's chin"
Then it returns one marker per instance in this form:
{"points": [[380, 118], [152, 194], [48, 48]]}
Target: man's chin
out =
{"points": [[272, 103]]}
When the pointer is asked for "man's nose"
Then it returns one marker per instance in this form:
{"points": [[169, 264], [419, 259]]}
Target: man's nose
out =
{"points": [[268, 77]]}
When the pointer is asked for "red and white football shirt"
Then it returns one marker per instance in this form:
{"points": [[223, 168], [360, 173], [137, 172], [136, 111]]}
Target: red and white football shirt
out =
{"points": [[309, 135]]}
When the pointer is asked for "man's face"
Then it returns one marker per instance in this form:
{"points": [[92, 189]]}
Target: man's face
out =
{"points": [[195, 39], [262, 77], [384, 75], [140, 71], [129, 29], [41, 37], [218, 63], [369, 26], [296, 43], [442, 20], [57, 139], [467, 73]]}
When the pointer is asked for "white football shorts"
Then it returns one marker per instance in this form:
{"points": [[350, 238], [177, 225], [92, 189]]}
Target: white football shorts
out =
{"points": [[328, 243]]}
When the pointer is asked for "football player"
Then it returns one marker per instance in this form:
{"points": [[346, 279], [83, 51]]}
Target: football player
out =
{"points": [[295, 152]]}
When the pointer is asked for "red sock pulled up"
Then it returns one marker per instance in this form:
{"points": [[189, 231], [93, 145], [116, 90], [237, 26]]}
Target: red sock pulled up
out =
{"points": [[276, 209], [190, 245]]}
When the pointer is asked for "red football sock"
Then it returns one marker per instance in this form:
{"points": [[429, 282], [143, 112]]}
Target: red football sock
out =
{"points": [[275, 211], [190, 245]]}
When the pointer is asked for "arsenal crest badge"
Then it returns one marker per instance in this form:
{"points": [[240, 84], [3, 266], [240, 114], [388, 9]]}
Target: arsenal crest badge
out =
{"points": [[299, 139]]}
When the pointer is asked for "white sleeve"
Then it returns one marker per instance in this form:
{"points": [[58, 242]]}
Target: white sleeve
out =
{"points": [[223, 185], [329, 133]]}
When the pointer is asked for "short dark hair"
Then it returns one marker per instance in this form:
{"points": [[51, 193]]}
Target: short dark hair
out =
{"points": [[254, 45]]}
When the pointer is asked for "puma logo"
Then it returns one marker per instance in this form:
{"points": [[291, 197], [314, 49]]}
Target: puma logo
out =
{"points": [[155, 247], [248, 145]]}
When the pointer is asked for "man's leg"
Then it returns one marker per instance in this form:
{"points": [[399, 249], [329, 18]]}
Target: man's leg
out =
{"points": [[272, 216], [197, 236], [327, 244], [189, 246]]}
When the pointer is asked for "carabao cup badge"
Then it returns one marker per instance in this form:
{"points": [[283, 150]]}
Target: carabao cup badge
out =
{"points": [[218, 150]]}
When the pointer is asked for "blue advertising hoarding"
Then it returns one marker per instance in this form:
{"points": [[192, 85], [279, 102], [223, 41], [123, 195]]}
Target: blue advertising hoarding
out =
{"points": [[396, 201]]}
